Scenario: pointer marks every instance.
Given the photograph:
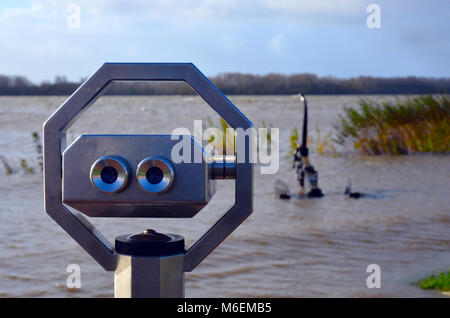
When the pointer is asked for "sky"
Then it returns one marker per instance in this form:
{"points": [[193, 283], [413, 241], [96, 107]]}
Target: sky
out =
{"points": [[43, 39]]}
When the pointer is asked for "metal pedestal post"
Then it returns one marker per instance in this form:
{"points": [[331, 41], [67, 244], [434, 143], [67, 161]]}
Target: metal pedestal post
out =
{"points": [[149, 265]]}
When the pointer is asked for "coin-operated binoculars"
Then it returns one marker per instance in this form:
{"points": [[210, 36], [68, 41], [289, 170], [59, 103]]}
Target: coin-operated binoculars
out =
{"points": [[134, 176]]}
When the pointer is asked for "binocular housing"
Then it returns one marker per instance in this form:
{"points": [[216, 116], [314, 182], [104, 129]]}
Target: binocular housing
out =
{"points": [[134, 176]]}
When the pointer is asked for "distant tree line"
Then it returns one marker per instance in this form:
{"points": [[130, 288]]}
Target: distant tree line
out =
{"points": [[243, 84]]}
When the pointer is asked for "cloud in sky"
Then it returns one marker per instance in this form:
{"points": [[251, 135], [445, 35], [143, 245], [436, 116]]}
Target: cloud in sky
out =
{"points": [[276, 43], [327, 37]]}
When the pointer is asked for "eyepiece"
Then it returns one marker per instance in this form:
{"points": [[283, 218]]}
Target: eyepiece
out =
{"points": [[155, 174], [109, 174]]}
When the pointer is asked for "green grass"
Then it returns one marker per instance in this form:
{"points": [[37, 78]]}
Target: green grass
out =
{"points": [[412, 125], [228, 142], [440, 282], [23, 162], [294, 141], [6, 166], [321, 144], [38, 146], [26, 167]]}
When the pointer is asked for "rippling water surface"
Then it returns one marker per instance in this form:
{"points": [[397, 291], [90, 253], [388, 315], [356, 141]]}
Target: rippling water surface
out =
{"points": [[286, 248]]}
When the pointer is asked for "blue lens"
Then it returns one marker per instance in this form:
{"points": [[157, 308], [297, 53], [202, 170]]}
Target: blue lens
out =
{"points": [[154, 175], [109, 175]]}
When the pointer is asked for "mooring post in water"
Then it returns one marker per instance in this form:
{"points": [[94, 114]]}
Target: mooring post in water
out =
{"points": [[135, 176]]}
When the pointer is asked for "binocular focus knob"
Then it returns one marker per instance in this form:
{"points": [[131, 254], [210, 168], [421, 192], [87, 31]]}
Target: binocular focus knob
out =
{"points": [[224, 167]]}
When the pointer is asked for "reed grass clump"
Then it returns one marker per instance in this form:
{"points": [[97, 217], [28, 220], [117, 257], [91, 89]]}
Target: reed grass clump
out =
{"points": [[321, 144], [6, 166], [26, 168], [439, 282], [38, 147], [412, 125], [227, 142]]}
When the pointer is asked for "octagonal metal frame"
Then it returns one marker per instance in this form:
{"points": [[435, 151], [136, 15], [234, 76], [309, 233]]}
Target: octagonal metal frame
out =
{"points": [[74, 223]]}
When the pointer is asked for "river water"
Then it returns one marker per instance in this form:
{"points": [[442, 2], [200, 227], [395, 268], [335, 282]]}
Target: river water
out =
{"points": [[307, 248]]}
